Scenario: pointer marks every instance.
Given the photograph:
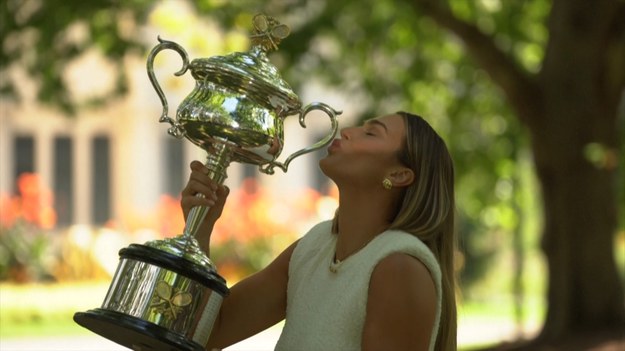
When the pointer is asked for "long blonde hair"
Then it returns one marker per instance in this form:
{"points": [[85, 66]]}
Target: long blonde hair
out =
{"points": [[427, 210]]}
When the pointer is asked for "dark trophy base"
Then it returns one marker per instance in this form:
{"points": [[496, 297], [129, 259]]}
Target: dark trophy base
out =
{"points": [[147, 279], [133, 332]]}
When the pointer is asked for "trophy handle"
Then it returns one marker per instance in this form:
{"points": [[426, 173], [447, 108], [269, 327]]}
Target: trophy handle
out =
{"points": [[176, 130], [332, 113]]}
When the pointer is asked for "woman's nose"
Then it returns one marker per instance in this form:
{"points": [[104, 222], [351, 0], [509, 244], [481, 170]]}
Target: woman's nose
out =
{"points": [[345, 133]]}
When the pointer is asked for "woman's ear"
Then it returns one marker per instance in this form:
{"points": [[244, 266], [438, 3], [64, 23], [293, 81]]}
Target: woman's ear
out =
{"points": [[401, 177]]}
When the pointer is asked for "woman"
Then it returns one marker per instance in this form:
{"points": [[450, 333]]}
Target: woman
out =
{"points": [[380, 276]]}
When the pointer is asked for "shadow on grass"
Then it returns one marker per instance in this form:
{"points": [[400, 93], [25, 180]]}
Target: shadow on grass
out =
{"points": [[611, 340]]}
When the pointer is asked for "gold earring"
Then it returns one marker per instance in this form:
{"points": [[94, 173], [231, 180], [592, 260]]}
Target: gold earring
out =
{"points": [[387, 184]]}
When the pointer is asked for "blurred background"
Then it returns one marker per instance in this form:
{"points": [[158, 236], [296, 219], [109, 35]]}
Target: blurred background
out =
{"points": [[529, 97]]}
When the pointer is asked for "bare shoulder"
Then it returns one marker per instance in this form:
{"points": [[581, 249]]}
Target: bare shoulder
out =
{"points": [[401, 275], [401, 268], [401, 305]]}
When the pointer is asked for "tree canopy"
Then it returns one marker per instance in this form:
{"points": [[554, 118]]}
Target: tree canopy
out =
{"points": [[476, 70], [382, 53]]}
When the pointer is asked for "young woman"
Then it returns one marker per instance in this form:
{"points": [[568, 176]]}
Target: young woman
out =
{"points": [[380, 275]]}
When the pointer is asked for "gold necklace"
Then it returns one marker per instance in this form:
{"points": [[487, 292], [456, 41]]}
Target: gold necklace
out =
{"points": [[335, 264]]}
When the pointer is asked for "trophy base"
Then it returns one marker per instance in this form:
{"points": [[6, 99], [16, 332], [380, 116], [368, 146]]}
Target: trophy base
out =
{"points": [[133, 332]]}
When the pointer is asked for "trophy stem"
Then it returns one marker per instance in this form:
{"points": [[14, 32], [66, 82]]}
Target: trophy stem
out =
{"points": [[216, 162]]}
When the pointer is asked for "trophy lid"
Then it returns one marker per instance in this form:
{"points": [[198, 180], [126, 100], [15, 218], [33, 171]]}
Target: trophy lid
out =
{"points": [[251, 73]]}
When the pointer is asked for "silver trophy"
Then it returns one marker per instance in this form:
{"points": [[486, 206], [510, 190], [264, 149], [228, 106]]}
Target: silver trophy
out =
{"points": [[166, 294]]}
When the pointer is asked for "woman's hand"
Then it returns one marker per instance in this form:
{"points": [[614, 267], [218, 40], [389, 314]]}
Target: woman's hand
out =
{"points": [[214, 197]]}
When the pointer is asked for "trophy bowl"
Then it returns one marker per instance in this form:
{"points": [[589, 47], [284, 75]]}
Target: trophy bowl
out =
{"points": [[166, 294]]}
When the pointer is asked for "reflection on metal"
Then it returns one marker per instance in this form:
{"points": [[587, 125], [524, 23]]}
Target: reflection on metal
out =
{"points": [[169, 301]]}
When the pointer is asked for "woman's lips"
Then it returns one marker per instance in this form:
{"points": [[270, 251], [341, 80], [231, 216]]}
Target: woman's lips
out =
{"points": [[335, 145]]}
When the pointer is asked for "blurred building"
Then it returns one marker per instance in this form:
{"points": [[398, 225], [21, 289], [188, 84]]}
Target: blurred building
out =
{"points": [[117, 161], [106, 162]]}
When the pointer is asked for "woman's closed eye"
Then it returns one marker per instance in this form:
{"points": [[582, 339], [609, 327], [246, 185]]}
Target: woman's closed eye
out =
{"points": [[370, 132]]}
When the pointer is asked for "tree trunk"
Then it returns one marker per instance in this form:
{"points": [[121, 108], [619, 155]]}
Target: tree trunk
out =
{"points": [[575, 143], [584, 289], [570, 109]]}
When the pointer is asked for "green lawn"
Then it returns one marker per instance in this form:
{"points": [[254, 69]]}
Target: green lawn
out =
{"points": [[46, 310]]}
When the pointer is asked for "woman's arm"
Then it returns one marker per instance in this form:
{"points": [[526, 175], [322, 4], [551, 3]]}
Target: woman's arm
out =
{"points": [[401, 305], [254, 304], [257, 302]]}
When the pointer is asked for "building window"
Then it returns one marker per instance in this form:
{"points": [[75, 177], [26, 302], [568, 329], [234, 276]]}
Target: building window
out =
{"points": [[24, 157], [63, 180], [101, 185], [173, 166], [250, 171]]}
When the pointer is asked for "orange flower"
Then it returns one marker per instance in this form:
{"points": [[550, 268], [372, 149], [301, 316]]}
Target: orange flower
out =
{"points": [[9, 210], [34, 203], [169, 216]]}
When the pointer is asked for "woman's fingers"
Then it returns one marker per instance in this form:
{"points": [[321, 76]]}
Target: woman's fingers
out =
{"points": [[200, 182], [222, 195], [198, 166], [188, 202], [200, 186], [214, 195]]}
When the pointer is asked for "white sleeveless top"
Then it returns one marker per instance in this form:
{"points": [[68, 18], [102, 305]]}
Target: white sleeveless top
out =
{"points": [[326, 310]]}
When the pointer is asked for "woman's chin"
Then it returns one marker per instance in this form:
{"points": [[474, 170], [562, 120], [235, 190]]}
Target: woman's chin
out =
{"points": [[327, 167]]}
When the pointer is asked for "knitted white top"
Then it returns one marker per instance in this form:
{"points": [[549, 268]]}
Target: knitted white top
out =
{"points": [[326, 310]]}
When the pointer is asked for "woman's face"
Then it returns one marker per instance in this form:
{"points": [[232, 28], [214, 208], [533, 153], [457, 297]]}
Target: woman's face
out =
{"points": [[365, 154]]}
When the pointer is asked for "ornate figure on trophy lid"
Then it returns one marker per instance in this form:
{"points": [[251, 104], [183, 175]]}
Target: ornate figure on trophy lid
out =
{"points": [[166, 294]]}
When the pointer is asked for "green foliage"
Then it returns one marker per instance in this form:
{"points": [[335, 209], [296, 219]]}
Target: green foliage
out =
{"points": [[25, 253], [394, 58], [385, 52], [44, 36]]}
